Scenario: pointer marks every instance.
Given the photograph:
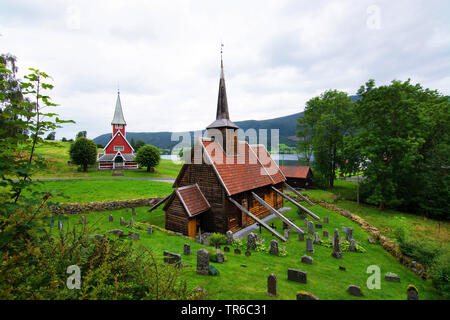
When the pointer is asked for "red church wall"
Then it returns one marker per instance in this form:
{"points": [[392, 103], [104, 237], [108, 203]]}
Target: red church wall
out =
{"points": [[118, 141]]}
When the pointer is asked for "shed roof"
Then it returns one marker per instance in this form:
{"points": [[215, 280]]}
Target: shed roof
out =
{"points": [[296, 171]]}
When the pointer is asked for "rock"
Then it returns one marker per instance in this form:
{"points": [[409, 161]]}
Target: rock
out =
{"points": [[355, 291], [307, 259], [392, 277]]}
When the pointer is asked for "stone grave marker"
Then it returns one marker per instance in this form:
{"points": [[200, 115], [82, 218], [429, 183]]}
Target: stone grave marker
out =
{"points": [[248, 253], [273, 247], [187, 249], [272, 288], [301, 236], [203, 262], [296, 275], [306, 222], [303, 295], [355, 291], [286, 233], [131, 222], [229, 238], [309, 245], [310, 227], [133, 211], [130, 235], [412, 293], [136, 236], [316, 238], [393, 277], [60, 225], [149, 230], [325, 220], [325, 234], [237, 251], [251, 241], [337, 253], [220, 257], [122, 222], [226, 249], [307, 259], [83, 219], [116, 232], [352, 247], [172, 258], [111, 218], [318, 226], [349, 234]]}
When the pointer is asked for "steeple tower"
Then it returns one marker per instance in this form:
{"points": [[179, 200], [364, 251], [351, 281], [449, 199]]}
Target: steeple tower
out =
{"points": [[227, 128], [118, 121]]}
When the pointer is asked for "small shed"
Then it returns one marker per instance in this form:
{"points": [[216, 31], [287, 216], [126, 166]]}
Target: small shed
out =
{"points": [[298, 176]]}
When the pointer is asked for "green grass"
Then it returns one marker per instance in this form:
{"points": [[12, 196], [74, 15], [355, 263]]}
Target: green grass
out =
{"points": [[83, 191], [387, 221], [56, 155], [239, 283]]}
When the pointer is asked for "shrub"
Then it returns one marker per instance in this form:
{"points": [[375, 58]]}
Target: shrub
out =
{"points": [[217, 239], [440, 274], [148, 156], [83, 152]]}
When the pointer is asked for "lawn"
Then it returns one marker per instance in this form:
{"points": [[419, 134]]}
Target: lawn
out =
{"points": [[56, 155], [239, 282], [387, 221], [83, 191]]}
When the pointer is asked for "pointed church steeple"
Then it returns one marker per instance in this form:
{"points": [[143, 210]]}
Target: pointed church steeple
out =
{"points": [[118, 114], [222, 114]]}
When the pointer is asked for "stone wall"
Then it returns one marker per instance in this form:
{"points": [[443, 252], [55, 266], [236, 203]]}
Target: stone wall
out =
{"points": [[75, 208], [388, 245]]}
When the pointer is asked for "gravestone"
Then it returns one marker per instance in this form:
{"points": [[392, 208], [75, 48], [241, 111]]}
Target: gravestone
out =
{"points": [[325, 220], [229, 238], [316, 238], [307, 259], [412, 293], [301, 236], [303, 295], [203, 262], [111, 218], [149, 230], [251, 241], [318, 226], [116, 232], [122, 222], [336, 245], [306, 222], [60, 225], [99, 237], [83, 219], [355, 291], [286, 233], [226, 249], [131, 222], [136, 236], [248, 253], [273, 247], [392, 277], [187, 249], [220, 257], [309, 245], [130, 235], [301, 216], [325, 234], [126, 209], [310, 227], [173, 258], [237, 251], [272, 288], [349, 234], [296, 275], [133, 211], [352, 246]]}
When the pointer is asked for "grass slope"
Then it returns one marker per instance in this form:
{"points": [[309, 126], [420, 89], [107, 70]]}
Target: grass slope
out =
{"points": [[83, 191], [56, 154], [325, 280]]}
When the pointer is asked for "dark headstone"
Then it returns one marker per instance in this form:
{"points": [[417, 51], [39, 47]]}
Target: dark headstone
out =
{"points": [[272, 288], [226, 249], [122, 222], [220, 257], [229, 238], [318, 226], [111, 219], [392, 277], [187, 249], [273, 247], [172, 258], [149, 230], [325, 234], [310, 227], [133, 211], [302, 295], [296, 275], [325, 220], [301, 236], [412, 293], [354, 291], [342, 268], [130, 235], [316, 238], [251, 241], [352, 247], [237, 251], [309, 245], [248, 253], [337, 253], [131, 223], [136, 236], [307, 259]]}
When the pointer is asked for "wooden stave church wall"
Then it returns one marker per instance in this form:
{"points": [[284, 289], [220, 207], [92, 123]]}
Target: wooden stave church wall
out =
{"points": [[176, 217]]}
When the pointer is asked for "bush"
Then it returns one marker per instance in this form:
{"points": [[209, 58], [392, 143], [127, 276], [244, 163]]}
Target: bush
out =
{"points": [[440, 274], [83, 152], [148, 156], [217, 239]]}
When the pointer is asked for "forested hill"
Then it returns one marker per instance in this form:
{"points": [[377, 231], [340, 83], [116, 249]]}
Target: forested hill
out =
{"points": [[286, 125]]}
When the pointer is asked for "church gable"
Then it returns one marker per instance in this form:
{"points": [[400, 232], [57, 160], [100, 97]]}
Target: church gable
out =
{"points": [[118, 143]]}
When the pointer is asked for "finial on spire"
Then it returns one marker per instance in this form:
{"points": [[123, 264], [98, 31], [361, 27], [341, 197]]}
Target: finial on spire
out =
{"points": [[221, 60], [118, 88]]}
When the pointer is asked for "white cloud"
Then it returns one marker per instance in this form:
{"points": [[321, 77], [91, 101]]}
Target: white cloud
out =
{"points": [[165, 55]]}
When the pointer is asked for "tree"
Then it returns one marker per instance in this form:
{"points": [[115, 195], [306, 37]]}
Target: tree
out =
{"points": [[63, 139], [133, 144], [403, 133], [326, 120], [305, 146], [83, 152], [51, 136], [138, 145], [81, 134], [148, 156]]}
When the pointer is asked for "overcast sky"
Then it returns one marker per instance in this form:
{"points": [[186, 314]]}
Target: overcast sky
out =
{"points": [[165, 55]]}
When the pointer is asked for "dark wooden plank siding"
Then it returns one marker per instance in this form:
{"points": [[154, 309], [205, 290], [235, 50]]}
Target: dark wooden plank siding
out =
{"points": [[177, 217]]}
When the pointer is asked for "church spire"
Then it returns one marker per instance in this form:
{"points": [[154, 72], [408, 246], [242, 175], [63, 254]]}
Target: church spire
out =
{"points": [[118, 114], [222, 114]]}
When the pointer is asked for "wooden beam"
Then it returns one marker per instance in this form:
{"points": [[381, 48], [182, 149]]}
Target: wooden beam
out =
{"points": [[276, 234], [159, 203], [273, 210], [299, 195], [297, 204]]}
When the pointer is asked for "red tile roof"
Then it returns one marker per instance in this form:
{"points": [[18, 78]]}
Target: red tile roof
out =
{"points": [[296, 171], [193, 199], [266, 160], [242, 172]]}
